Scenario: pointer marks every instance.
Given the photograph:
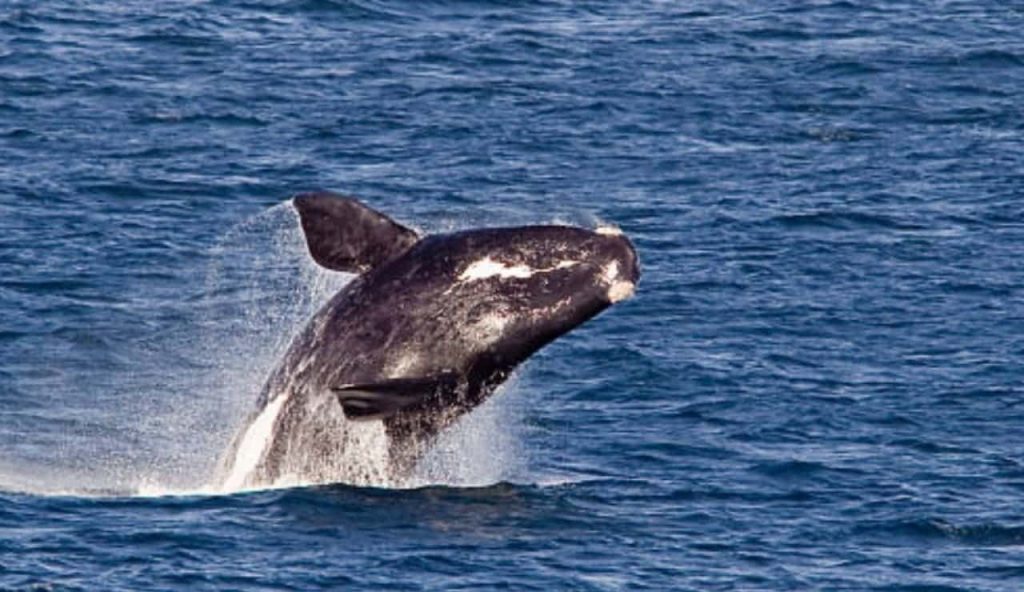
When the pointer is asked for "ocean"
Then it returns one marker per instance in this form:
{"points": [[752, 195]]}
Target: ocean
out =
{"points": [[817, 386]]}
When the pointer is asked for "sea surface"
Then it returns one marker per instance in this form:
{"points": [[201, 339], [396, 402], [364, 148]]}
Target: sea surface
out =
{"points": [[819, 384]]}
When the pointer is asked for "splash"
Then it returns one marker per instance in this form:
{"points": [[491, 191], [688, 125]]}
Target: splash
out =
{"points": [[482, 448], [197, 380]]}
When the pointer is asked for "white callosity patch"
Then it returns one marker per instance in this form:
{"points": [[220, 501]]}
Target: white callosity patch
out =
{"points": [[488, 268], [618, 289], [610, 273], [608, 230]]}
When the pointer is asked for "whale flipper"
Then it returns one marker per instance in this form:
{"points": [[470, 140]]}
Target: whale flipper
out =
{"points": [[378, 400], [345, 235]]}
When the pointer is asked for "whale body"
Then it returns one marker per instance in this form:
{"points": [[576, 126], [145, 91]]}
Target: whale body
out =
{"points": [[429, 327]]}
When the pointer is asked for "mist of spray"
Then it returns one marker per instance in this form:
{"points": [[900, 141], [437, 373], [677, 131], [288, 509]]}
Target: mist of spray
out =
{"points": [[260, 291], [196, 381]]}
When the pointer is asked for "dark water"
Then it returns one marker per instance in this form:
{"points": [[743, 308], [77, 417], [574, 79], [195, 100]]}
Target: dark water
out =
{"points": [[817, 387]]}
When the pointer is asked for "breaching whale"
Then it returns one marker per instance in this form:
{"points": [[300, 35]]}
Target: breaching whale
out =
{"points": [[429, 327]]}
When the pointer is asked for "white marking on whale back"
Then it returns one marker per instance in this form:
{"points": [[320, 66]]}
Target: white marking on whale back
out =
{"points": [[253, 444], [609, 230], [488, 268], [618, 289]]}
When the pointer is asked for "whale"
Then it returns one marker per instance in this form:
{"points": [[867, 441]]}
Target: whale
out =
{"points": [[427, 329]]}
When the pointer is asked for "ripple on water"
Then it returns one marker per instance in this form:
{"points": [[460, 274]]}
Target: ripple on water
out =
{"points": [[815, 386]]}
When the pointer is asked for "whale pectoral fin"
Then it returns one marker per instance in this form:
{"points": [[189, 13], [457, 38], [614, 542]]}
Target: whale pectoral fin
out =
{"points": [[378, 400], [345, 235]]}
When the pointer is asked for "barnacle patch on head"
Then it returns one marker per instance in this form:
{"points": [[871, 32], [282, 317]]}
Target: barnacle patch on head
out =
{"points": [[619, 289]]}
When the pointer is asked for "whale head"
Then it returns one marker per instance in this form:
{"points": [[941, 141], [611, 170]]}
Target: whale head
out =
{"points": [[542, 281]]}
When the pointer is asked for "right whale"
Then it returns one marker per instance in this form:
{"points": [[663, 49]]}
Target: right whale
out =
{"points": [[428, 329]]}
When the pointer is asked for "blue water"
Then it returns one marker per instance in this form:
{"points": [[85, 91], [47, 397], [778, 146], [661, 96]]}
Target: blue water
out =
{"points": [[818, 386]]}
